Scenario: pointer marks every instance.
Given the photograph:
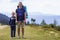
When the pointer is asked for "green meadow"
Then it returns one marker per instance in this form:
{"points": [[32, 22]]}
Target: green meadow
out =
{"points": [[32, 33]]}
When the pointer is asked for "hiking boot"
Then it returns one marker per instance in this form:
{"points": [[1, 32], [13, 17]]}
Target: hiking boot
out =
{"points": [[22, 37], [19, 37]]}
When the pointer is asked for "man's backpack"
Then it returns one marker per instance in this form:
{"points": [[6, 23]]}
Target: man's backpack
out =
{"points": [[26, 11]]}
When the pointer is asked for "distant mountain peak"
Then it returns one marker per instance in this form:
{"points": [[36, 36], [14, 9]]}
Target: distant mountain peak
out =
{"points": [[4, 19]]}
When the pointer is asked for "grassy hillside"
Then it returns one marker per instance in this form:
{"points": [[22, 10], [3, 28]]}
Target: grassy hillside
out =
{"points": [[32, 33]]}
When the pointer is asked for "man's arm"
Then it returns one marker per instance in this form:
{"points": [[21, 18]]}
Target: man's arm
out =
{"points": [[24, 17], [16, 17]]}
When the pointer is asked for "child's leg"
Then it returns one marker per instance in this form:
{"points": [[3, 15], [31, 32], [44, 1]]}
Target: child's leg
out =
{"points": [[11, 32], [14, 31]]}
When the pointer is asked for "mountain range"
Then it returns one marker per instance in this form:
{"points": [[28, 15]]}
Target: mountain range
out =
{"points": [[36, 15], [48, 18], [4, 19]]}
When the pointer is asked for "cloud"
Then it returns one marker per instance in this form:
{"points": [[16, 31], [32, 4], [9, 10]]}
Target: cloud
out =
{"points": [[7, 6], [17, 0], [44, 6]]}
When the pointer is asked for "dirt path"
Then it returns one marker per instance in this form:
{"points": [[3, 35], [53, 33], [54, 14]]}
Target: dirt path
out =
{"points": [[3, 26]]}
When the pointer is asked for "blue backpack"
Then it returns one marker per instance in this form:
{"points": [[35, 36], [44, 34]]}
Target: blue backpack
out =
{"points": [[24, 7]]}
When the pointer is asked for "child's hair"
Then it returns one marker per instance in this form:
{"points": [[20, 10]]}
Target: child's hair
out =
{"points": [[13, 13]]}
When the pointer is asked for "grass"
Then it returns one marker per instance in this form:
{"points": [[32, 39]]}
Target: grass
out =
{"points": [[32, 33]]}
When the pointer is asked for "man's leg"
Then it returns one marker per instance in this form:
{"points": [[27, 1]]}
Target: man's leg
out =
{"points": [[22, 30], [19, 29]]}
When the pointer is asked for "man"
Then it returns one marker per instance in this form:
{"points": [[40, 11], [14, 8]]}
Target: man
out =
{"points": [[20, 18]]}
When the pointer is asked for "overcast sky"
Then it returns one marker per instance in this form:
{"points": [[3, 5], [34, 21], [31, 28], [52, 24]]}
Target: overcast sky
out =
{"points": [[43, 6]]}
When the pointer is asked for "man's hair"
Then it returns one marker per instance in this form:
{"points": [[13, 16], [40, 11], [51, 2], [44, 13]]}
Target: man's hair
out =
{"points": [[20, 2]]}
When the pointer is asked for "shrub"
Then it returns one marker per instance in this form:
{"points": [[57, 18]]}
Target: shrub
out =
{"points": [[51, 25], [57, 28], [45, 26]]}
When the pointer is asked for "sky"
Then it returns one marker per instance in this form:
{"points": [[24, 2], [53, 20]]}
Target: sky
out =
{"points": [[51, 7]]}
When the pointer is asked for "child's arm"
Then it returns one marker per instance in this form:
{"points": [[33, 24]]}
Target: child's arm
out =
{"points": [[10, 21]]}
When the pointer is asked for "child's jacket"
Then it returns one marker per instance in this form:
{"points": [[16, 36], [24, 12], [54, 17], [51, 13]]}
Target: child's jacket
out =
{"points": [[12, 21]]}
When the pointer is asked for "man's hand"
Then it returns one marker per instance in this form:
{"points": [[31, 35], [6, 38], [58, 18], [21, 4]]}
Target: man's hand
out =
{"points": [[24, 21], [16, 21]]}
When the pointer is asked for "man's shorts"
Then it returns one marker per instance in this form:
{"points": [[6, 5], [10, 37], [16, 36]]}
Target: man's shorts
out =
{"points": [[20, 24]]}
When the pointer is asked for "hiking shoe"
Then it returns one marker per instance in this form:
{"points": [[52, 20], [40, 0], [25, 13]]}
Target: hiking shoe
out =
{"points": [[19, 37], [11, 38], [22, 37]]}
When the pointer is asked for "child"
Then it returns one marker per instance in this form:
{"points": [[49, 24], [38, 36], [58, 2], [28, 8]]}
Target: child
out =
{"points": [[13, 25]]}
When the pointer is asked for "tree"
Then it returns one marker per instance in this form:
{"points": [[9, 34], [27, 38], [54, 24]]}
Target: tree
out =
{"points": [[43, 22], [28, 23], [33, 21], [51, 25], [55, 22]]}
